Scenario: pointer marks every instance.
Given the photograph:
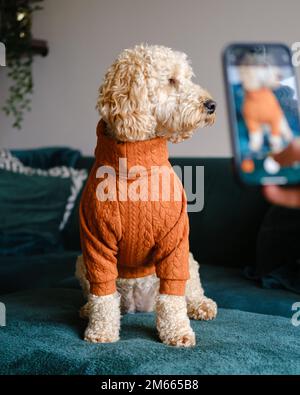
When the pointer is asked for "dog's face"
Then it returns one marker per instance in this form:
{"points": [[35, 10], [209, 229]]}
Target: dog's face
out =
{"points": [[149, 92]]}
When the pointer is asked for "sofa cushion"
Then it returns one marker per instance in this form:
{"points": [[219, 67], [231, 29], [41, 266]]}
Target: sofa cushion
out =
{"points": [[32, 208], [55, 269], [45, 158], [29, 198], [225, 231], [70, 234], [230, 289], [43, 335]]}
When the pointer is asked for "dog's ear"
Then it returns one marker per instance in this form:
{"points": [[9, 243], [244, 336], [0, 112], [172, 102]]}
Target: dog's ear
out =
{"points": [[123, 101]]}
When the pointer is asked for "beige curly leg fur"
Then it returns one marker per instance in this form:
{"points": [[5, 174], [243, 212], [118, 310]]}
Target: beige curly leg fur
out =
{"points": [[104, 319], [103, 312], [199, 307], [173, 312], [172, 322]]}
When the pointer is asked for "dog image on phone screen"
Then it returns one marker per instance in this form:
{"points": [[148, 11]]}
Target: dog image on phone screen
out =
{"points": [[261, 109]]}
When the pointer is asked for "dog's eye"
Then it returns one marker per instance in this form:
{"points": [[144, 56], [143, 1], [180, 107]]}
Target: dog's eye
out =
{"points": [[172, 81]]}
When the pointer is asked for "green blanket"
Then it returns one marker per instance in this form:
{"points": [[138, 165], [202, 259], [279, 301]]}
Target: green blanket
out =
{"points": [[44, 336]]}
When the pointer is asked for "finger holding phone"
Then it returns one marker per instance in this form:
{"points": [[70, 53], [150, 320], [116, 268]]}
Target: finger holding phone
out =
{"points": [[287, 197]]}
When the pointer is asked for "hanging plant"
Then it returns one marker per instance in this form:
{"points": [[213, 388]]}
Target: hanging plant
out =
{"points": [[16, 22]]}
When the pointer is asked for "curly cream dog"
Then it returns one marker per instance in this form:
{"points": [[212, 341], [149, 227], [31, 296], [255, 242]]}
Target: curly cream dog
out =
{"points": [[147, 98]]}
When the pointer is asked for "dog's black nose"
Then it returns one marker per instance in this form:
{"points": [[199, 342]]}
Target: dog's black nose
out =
{"points": [[210, 106]]}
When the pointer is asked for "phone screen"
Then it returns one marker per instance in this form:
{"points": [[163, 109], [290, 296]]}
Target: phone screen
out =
{"points": [[263, 103]]}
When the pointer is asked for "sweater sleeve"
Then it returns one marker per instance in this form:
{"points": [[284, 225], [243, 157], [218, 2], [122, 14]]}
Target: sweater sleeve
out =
{"points": [[172, 256], [100, 232]]}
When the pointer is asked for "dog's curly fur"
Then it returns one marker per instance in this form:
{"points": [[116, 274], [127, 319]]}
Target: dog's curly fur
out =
{"points": [[149, 92]]}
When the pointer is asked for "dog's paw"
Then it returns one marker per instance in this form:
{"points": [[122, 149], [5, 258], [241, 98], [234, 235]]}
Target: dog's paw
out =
{"points": [[96, 337], [179, 334], [186, 340], [205, 309]]}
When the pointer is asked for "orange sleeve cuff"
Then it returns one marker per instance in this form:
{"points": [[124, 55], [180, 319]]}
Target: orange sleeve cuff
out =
{"points": [[102, 289], [172, 287]]}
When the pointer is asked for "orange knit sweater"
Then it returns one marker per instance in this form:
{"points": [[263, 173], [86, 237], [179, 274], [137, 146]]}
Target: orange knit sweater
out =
{"points": [[131, 238], [262, 107]]}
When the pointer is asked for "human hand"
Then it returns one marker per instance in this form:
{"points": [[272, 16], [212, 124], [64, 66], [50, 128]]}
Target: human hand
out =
{"points": [[281, 196], [289, 155]]}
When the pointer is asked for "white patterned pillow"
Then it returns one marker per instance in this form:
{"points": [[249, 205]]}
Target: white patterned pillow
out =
{"points": [[12, 163]]}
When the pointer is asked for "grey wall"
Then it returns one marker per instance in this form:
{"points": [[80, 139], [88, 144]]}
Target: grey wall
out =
{"points": [[85, 36]]}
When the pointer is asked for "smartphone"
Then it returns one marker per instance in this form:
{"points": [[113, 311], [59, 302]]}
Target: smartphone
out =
{"points": [[263, 108]]}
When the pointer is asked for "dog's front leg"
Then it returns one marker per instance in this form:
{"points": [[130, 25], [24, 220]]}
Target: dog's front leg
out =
{"points": [[104, 318], [199, 307], [172, 322]]}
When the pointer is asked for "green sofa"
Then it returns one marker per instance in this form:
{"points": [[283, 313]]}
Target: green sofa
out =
{"points": [[252, 334]]}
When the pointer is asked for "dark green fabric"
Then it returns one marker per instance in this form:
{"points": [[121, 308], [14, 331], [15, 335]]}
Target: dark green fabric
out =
{"points": [[31, 209], [278, 250], [225, 231], [70, 233], [285, 277], [226, 285], [45, 158], [278, 241], [55, 269], [231, 290], [44, 336]]}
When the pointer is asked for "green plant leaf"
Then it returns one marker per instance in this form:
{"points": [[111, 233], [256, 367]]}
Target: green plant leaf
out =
{"points": [[19, 57]]}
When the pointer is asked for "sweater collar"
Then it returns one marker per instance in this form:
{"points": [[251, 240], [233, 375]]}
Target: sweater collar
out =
{"points": [[148, 153]]}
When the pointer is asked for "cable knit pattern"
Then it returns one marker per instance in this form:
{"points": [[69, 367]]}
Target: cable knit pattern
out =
{"points": [[132, 239]]}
